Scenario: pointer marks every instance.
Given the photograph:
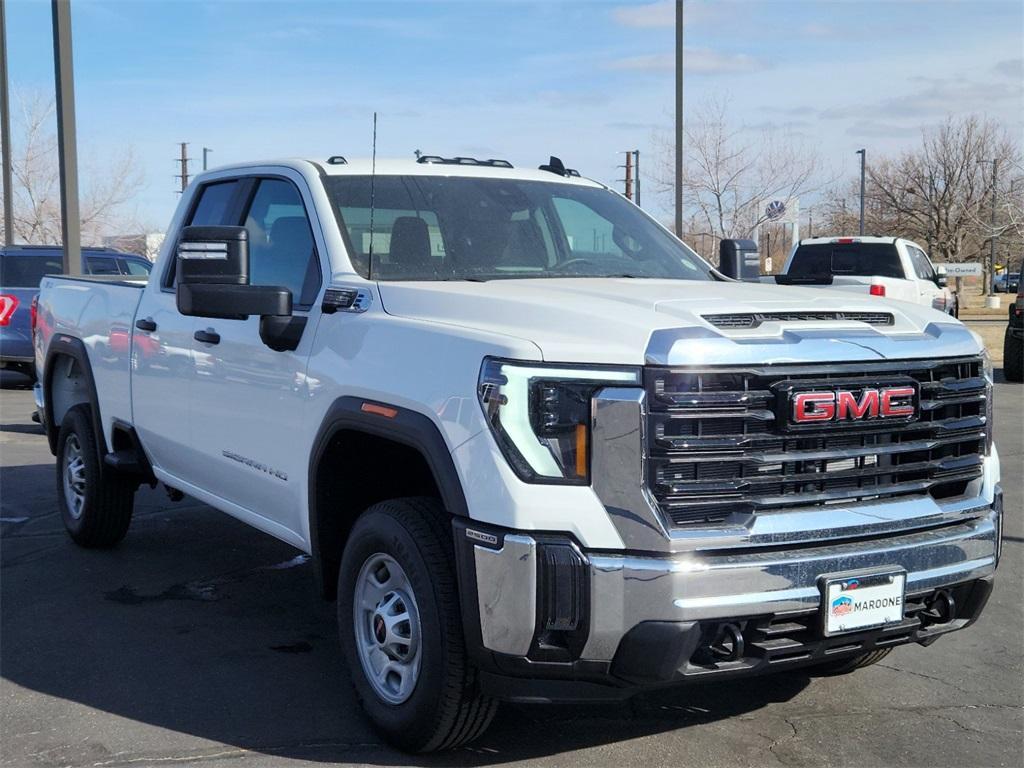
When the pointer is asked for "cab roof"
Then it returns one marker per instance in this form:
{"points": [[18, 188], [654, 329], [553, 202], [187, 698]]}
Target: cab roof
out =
{"points": [[410, 167]]}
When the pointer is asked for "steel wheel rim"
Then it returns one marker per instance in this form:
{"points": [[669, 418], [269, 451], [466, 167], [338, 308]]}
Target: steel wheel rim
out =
{"points": [[74, 476], [386, 622]]}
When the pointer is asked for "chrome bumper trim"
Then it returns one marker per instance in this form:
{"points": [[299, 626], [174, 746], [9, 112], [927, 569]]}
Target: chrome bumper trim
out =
{"points": [[626, 590], [507, 594]]}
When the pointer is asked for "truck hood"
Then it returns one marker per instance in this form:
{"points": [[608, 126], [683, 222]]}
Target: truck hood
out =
{"points": [[633, 322]]}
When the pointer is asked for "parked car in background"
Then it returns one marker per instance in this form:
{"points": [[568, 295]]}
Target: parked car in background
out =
{"points": [[1007, 282], [1013, 340], [892, 267], [21, 269]]}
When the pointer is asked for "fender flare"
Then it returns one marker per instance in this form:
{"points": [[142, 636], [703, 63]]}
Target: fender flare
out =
{"points": [[408, 427], [68, 346]]}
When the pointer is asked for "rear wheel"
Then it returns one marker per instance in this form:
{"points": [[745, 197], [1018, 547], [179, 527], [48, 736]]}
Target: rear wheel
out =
{"points": [[851, 663], [401, 629], [95, 504], [1013, 357]]}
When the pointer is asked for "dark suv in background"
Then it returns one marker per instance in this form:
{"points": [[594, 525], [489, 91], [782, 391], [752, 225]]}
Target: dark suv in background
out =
{"points": [[21, 269], [1013, 340]]}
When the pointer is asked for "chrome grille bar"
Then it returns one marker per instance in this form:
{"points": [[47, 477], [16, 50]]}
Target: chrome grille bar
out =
{"points": [[717, 450]]}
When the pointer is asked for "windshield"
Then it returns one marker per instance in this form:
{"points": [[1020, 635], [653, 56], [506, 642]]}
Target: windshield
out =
{"points": [[860, 259], [461, 228]]}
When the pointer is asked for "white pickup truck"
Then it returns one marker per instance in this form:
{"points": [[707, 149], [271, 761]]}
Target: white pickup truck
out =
{"points": [[536, 448], [890, 267]]}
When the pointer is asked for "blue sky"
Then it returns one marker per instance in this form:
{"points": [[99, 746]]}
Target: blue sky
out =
{"points": [[516, 80]]}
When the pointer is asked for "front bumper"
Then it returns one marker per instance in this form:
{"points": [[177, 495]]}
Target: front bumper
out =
{"points": [[549, 620]]}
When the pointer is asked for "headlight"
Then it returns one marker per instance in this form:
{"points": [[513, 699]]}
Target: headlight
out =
{"points": [[540, 415]]}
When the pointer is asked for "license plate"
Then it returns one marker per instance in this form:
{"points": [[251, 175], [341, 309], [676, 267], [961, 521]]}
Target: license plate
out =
{"points": [[863, 601]]}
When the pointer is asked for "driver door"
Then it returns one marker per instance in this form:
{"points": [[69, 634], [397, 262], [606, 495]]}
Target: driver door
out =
{"points": [[248, 400]]}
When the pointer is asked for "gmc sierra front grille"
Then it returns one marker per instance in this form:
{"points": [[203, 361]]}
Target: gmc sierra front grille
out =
{"points": [[754, 319], [720, 448]]}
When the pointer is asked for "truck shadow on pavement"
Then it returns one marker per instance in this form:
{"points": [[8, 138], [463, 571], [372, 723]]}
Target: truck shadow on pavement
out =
{"points": [[204, 628]]}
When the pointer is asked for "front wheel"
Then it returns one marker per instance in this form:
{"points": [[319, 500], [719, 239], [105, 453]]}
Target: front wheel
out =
{"points": [[401, 629], [95, 504]]}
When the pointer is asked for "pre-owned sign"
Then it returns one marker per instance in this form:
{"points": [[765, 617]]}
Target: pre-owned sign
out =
{"points": [[968, 269]]}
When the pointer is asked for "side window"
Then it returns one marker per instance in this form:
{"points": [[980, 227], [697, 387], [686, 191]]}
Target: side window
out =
{"points": [[213, 208], [585, 229], [281, 249], [133, 267], [103, 265], [922, 267], [926, 266], [213, 204]]}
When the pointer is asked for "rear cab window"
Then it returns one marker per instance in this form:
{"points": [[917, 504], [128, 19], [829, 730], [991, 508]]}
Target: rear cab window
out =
{"points": [[27, 270], [854, 259]]}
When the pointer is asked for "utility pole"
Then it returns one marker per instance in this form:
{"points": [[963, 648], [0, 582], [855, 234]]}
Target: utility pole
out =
{"points": [[67, 148], [679, 118], [863, 157], [629, 175], [183, 160], [810, 221], [5, 131], [636, 176], [206, 151]]}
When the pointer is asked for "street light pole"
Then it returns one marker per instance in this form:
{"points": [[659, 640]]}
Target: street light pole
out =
{"points": [[863, 158], [5, 132], [679, 118], [67, 149], [206, 151]]}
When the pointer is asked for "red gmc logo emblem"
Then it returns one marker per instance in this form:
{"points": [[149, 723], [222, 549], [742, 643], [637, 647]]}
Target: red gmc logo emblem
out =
{"points": [[845, 405]]}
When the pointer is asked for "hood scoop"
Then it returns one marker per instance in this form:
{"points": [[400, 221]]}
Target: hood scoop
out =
{"points": [[741, 320]]}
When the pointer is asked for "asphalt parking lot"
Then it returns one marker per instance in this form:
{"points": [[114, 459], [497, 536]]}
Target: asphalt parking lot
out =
{"points": [[201, 640]]}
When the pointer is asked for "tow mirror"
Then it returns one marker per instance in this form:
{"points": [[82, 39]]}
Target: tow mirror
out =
{"points": [[213, 281], [941, 278]]}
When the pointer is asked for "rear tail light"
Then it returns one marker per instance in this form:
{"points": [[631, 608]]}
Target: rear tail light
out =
{"points": [[34, 312], [846, 240], [877, 290], [8, 304]]}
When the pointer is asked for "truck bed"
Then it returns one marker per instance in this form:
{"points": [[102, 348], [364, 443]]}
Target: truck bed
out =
{"points": [[100, 312]]}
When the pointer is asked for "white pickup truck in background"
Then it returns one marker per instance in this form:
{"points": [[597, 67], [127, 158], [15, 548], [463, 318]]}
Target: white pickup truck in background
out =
{"points": [[892, 267]]}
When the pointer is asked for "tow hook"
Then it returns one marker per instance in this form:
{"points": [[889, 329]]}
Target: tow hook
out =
{"points": [[728, 644], [941, 609]]}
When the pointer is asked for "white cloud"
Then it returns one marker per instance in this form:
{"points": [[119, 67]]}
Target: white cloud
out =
{"points": [[1011, 68], [816, 29], [936, 97], [660, 14], [696, 61]]}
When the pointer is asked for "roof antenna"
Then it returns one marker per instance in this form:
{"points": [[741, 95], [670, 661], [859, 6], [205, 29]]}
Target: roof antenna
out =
{"points": [[373, 178]]}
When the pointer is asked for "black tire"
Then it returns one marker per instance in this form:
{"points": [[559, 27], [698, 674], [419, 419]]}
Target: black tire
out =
{"points": [[105, 511], [445, 708], [1013, 357], [851, 663]]}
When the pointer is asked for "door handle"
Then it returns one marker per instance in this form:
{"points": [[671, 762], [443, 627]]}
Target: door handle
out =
{"points": [[145, 324], [207, 337]]}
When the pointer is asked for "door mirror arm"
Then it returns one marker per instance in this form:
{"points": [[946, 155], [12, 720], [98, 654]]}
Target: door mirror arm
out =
{"points": [[282, 333]]}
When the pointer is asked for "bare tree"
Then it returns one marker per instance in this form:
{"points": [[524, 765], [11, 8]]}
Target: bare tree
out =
{"points": [[732, 173], [940, 193], [107, 185]]}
